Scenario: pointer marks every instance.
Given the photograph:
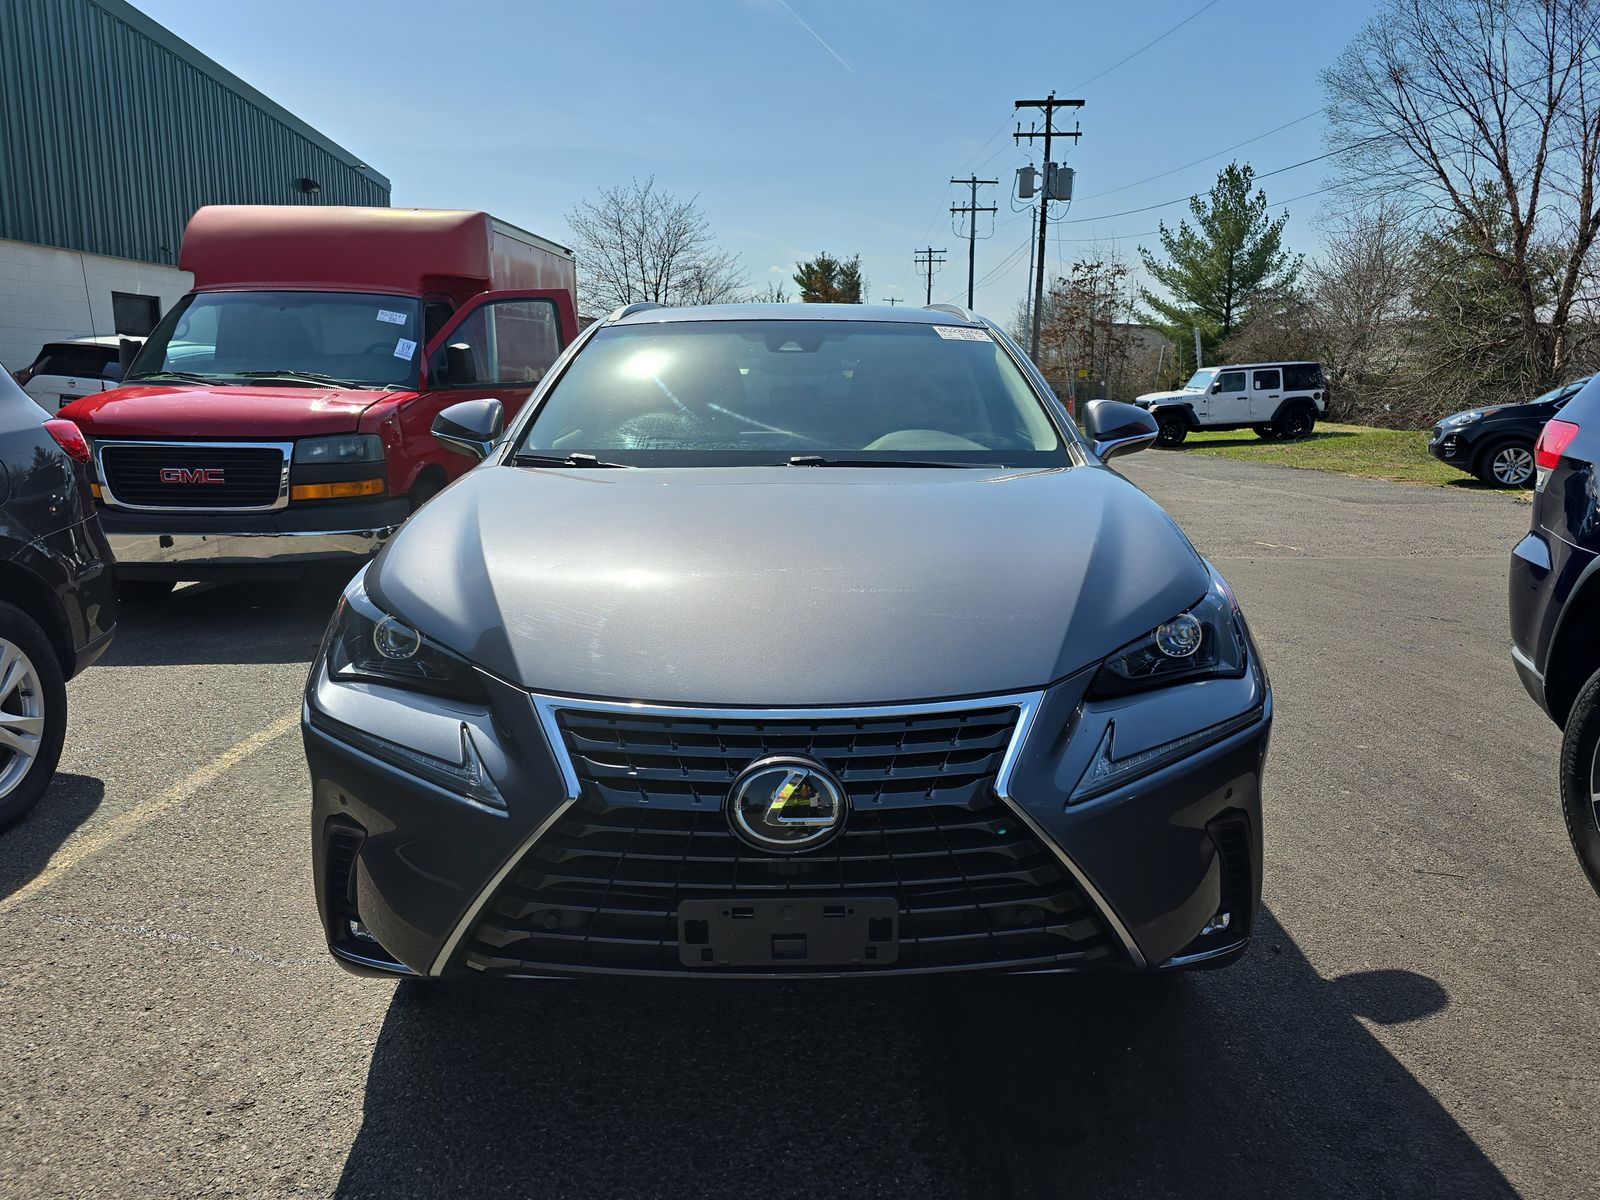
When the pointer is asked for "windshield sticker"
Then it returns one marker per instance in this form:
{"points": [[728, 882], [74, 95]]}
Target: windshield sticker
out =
{"points": [[406, 349], [961, 333], [392, 317]]}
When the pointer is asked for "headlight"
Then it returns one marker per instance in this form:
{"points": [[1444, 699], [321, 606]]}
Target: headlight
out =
{"points": [[345, 448], [1203, 641], [368, 644]]}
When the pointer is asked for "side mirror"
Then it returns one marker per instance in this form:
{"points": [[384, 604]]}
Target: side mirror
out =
{"points": [[458, 366], [1216, 387], [1115, 428], [471, 427]]}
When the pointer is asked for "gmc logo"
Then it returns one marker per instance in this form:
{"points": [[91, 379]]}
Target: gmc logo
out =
{"points": [[185, 475]]}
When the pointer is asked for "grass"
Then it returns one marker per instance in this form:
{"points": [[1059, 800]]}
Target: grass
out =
{"points": [[1397, 454]]}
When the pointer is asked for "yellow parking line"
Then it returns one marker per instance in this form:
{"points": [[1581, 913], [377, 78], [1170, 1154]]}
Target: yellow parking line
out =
{"points": [[123, 824]]}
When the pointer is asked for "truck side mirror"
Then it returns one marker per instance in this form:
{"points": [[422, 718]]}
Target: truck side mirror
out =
{"points": [[458, 365], [1115, 428], [471, 427], [1216, 387]]}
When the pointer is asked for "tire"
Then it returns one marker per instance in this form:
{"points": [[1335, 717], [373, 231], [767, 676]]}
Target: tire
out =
{"points": [[1580, 786], [1296, 424], [33, 713], [1507, 463], [1266, 433], [143, 591], [1171, 429]]}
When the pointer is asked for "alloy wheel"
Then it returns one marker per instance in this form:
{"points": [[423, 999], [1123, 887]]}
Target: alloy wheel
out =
{"points": [[1594, 787], [22, 716], [1513, 466]]}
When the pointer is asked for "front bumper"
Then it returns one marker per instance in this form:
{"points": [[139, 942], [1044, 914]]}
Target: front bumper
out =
{"points": [[1448, 446], [177, 545], [422, 870]]}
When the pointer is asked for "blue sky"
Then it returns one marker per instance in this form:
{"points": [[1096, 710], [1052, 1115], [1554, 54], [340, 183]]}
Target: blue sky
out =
{"points": [[803, 125]]}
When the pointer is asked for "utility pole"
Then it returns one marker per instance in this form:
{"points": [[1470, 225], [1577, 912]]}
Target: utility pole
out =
{"points": [[1048, 106], [926, 260], [891, 301], [1027, 297], [972, 210]]}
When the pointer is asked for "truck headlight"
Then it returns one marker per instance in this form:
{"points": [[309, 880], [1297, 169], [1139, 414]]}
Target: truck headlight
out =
{"points": [[1203, 641], [341, 448], [366, 644]]}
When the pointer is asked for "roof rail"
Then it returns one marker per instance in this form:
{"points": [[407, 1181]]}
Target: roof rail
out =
{"points": [[627, 310], [955, 310]]}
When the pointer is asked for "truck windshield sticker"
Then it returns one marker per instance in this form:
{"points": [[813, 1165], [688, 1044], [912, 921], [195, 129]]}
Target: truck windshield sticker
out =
{"points": [[394, 318], [961, 333], [406, 349]]}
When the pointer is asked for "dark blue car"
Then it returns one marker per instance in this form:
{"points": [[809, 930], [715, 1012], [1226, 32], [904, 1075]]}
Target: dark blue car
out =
{"points": [[1555, 608]]}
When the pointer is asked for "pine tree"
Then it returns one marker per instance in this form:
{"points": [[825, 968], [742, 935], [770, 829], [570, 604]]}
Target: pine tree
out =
{"points": [[1215, 270], [829, 280]]}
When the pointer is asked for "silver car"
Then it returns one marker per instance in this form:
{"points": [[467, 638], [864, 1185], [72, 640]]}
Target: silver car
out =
{"points": [[788, 640]]}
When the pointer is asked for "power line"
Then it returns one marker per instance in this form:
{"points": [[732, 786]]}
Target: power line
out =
{"points": [[1078, 87], [1204, 157]]}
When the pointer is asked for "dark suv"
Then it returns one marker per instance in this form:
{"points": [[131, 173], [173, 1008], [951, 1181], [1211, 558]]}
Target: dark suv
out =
{"points": [[1496, 444], [1555, 608], [57, 610]]}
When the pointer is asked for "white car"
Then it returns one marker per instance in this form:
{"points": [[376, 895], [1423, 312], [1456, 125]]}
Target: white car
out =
{"points": [[1277, 400], [63, 371]]}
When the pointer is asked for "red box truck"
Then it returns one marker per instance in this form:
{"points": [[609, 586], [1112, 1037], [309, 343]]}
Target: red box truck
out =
{"points": [[281, 413]]}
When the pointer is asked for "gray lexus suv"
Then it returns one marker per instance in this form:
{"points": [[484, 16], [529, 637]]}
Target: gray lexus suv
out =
{"points": [[788, 640]]}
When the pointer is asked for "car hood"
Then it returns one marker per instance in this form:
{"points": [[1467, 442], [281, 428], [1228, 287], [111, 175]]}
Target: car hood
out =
{"points": [[207, 410], [1150, 398], [787, 586]]}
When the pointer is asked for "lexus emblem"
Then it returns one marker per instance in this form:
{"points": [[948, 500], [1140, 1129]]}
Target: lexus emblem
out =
{"points": [[786, 804], [191, 475]]}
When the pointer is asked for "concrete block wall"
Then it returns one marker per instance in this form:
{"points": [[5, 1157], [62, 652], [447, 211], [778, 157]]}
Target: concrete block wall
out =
{"points": [[47, 295]]}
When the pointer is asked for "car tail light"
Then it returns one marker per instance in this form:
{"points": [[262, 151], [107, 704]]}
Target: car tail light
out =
{"points": [[1553, 443], [70, 438]]}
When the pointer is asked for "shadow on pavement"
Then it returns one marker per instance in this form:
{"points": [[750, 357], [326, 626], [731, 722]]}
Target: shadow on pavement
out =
{"points": [[1257, 1081], [271, 622], [26, 847]]}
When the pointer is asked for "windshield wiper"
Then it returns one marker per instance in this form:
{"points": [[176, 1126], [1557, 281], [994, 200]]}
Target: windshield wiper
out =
{"points": [[563, 460], [306, 377], [817, 460], [180, 376]]}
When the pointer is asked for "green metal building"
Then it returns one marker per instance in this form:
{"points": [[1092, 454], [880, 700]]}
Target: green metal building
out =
{"points": [[112, 132]]}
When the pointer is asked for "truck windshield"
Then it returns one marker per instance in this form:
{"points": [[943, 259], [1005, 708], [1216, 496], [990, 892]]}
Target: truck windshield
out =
{"points": [[1199, 381], [802, 393], [316, 339]]}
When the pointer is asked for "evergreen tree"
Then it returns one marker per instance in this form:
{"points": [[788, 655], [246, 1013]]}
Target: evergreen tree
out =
{"points": [[1217, 269], [829, 280]]}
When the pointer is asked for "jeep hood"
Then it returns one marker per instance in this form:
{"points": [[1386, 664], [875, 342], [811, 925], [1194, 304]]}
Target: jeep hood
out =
{"points": [[785, 585], [218, 410]]}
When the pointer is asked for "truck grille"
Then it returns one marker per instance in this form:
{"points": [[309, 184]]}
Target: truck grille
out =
{"points": [[189, 475], [600, 890]]}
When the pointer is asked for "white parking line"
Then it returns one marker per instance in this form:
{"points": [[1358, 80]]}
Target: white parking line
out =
{"points": [[120, 826]]}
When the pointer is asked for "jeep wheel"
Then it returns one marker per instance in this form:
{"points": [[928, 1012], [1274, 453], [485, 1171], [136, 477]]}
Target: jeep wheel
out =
{"points": [[1580, 778], [1266, 433], [33, 713], [1171, 429], [1507, 464], [1296, 424]]}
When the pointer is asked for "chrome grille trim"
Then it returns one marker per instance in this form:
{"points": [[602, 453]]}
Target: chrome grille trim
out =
{"points": [[546, 707], [286, 449]]}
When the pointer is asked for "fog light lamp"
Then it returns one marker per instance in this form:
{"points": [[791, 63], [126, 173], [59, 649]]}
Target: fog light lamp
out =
{"points": [[358, 930], [1217, 924]]}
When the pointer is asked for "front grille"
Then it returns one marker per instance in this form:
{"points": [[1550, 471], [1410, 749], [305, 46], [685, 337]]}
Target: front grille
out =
{"points": [[975, 887], [250, 475]]}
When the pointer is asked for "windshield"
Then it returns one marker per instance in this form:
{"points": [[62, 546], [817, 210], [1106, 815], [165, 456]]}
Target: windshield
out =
{"points": [[733, 393], [316, 338], [1200, 380]]}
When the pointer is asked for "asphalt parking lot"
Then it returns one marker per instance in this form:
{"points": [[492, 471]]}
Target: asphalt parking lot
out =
{"points": [[1417, 1017]]}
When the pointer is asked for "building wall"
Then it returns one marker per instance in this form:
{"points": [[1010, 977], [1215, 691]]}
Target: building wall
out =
{"points": [[113, 131], [49, 295]]}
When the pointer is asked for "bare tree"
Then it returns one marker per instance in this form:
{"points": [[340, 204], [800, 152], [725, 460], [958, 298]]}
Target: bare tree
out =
{"points": [[1360, 293], [637, 243], [1085, 337], [1447, 101]]}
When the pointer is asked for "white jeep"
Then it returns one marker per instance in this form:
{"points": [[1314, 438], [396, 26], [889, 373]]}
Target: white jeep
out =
{"points": [[1277, 400]]}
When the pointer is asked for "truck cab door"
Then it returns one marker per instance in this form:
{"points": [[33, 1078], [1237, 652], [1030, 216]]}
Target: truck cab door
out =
{"points": [[1230, 399], [499, 345]]}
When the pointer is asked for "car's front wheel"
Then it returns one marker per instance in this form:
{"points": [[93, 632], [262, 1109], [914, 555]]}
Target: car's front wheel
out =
{"points": [[33, 713], [1507, 464], [1580, 778], [1171, 429]]}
